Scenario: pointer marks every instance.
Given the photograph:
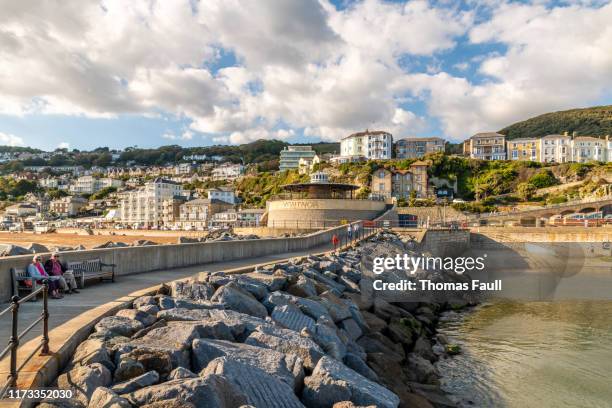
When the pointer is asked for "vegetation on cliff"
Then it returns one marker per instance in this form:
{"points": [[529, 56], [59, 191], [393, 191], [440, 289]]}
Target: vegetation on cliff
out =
{"points": [[595, 121]]}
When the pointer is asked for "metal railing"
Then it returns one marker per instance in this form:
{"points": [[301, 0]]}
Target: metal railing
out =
{"points": [[13, 344]]}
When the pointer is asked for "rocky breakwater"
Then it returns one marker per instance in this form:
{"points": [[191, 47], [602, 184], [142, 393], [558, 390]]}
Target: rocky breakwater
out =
{"points": [[288, 335]]}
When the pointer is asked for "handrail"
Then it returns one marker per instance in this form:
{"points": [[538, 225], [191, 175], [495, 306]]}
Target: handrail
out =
{"points": [[13, 344]]}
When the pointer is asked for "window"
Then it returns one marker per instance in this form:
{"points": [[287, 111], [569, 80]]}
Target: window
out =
{"points": [[381, 187], [381, 174]]}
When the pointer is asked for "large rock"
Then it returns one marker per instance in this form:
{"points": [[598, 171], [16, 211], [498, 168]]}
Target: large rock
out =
{"points": [[201, 304], [191, 290], [35, 248], [303, 287], [377, 343], [287, 341], [145, 318], [355, 363], [83, 380], [363, 302], [254, 286], [332, 382], [419, 369], [286, 367], [119, 326], [327, 337], [352, 328], [240, 324], [178, 314], [166, 302], [12, 250], [181, 372], [158, 360], [144, 301], [129, 368], [273, 282], [136, 383], [422, 347], [175, 339], [92, 351], [236, 298], [291, 317], [210, 391], [105, 398], [329, 283], [143, 332], [260, 388], [375, 323], [338, 309]]}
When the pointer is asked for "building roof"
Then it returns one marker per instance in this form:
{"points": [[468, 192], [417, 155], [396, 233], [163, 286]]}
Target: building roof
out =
{"points": [[366, 133], [556, 136], [222, 188], [420, 139], [589, 138], [524, 140], [420, 163], [160, 180], [487, 134]]}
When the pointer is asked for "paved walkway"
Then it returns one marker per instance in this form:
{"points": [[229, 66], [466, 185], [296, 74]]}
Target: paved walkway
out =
{"points": [[97, 294]]}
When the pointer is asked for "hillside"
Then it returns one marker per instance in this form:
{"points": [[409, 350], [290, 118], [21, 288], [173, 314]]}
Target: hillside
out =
{"points": [[595, 121]]}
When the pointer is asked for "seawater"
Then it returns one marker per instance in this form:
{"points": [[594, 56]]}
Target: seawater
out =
{"points": [[536, 354]]}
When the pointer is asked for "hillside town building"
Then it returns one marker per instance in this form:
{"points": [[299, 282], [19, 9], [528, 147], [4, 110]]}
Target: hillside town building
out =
{"points": [[144, 206], [290, 156], [527, 149], [227, 171], [223, 193], [417, 147], [196, 214], [371, 144], [555, 149], [387, 183], [486, 146]]}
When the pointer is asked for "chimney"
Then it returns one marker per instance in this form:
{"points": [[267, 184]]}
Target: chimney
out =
{"points": [[574, 133]]}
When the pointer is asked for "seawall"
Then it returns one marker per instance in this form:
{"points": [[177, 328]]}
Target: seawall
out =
{"points": [[131, 260]]}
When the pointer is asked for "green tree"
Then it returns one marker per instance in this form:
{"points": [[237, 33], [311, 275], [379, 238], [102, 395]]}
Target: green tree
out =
{"points": [[526, 191]]}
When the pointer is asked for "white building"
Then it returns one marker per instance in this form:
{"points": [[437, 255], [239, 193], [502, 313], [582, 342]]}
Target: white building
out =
{"points": [[371, 144], [184, 168], [90, 184], [49, 182], [227, 171], [196, 214], [145, 205], [68, 206], [587, 148], [555, 149], [222, 193]]}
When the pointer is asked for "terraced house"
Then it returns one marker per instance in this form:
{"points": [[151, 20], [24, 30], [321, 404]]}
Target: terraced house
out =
{"points": [[401, 183], [555, 149], [486, 146], [416, 147], [527, 149]]}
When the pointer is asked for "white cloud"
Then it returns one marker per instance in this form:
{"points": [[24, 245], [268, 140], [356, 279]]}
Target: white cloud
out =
{"points": [[9, 139], [63, 145], [302, 65]]}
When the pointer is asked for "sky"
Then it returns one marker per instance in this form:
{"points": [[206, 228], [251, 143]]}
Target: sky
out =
{"points": [[84, 74]]}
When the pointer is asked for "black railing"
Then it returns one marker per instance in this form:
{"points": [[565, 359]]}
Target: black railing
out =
{"points": [[13, 344]]}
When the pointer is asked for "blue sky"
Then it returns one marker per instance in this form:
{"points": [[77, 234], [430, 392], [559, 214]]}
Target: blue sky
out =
{"points": [[90, 74]]}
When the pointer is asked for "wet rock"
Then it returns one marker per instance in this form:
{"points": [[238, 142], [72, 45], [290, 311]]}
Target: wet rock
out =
{"points": [[119, 326], [332, 382], [236, 298], [180, 372], [291, 317], [210, 391], [422, 347], [261, 388], [286, 367], [136, 383], [377, 343], [388, 370], [287, 341], [143, 317], [106, 398], [420, 370], [401, 332], [83, 380], [92, 351]]}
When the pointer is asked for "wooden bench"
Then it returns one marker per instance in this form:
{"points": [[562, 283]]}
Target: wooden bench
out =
{"points": [[91, 269], [20, 276]]}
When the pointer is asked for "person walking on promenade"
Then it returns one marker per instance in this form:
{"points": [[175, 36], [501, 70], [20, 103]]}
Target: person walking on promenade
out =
{"points": [[66, 280], [335, 242], [36, 270]]}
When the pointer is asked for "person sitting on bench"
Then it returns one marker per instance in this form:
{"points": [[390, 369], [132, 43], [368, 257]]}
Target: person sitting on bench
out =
{"points": [[66, 280], [37, 271]]}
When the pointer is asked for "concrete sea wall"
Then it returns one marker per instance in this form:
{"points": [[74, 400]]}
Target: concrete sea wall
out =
{"points": [[131, 260]]}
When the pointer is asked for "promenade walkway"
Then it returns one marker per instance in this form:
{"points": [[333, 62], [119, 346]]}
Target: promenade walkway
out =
{"points": [[96, 294]]}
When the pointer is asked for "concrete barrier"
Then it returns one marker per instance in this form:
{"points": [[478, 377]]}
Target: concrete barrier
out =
{"points": [[130, 260]]}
